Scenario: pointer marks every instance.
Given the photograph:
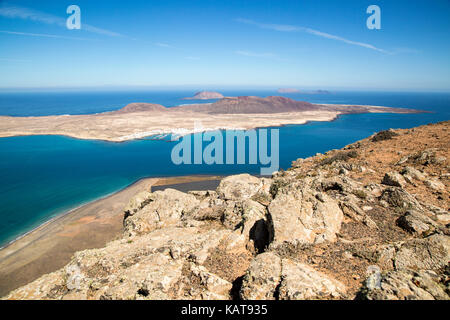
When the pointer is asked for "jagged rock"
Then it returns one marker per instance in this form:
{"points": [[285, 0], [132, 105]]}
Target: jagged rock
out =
{"points": [[424, 157], [300, 282], [341, 184], [399, 198], [415, 222], [429, 253], [394, 179], [49, 286], [254, 236], [444, 218], [137, 203], [270, 277], [407, 285], [262, 278], [239, 187], [166, 208], [298, 163], [210, 208], [351, 209], [300, 214], [204, 194], [251, 226], [146, 267], [211, 286], [435, 185], [410, 173], [151, 278]]}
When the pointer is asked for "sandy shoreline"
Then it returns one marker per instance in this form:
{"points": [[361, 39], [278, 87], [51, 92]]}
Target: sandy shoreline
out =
{"points": [[51, 245]]}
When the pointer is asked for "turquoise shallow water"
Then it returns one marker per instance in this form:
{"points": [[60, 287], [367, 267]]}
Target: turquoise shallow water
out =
{"points": [[43, 176]]}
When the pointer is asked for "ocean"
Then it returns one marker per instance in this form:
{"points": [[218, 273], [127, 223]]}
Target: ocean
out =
{"points": [[44, 176]]}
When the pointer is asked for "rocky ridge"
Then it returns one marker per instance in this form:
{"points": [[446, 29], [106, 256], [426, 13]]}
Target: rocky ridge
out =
{"points": [[369, 221]]}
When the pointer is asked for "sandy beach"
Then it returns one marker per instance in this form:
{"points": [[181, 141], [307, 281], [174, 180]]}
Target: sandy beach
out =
{"points": [[51, 245]]}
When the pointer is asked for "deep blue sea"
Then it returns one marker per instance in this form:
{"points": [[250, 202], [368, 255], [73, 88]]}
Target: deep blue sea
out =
{"points": [[43, 176]]}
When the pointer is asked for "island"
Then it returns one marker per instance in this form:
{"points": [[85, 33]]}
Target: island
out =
{"points": [[205, 95], [140, 120], [288, 90], [293, 90]]}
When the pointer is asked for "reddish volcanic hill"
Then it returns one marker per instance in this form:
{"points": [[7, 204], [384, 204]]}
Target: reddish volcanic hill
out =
{"points": [[205, 95], [236, 105], [141, 107], [250, 104]]}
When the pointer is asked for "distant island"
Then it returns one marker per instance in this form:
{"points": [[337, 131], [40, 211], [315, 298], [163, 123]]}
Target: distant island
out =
{"points": [[205, 95], [288, 90], [293, 90], [140, 120]]}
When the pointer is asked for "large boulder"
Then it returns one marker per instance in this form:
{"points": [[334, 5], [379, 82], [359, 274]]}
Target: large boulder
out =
{"points": [[150, 266], [262, 278], [199, 283], [394, 179], [137, 203], [164, 208], [400, 199], [415, 222], [435, 185], [239, 187], [410, 173], [431, 253], [270, 277], [301, 282], [302, 214], [407, 285], [251, 226]]}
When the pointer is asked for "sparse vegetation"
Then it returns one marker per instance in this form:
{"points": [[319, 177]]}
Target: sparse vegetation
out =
{"points": [[360, 194], [262, 198], [384, 135], [341, 156]]}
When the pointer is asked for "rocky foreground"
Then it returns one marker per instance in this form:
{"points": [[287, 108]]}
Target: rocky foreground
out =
{"points": [[369, 221]]}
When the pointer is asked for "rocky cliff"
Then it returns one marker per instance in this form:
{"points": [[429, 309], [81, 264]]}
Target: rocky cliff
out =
{"points": [[369, 221]]}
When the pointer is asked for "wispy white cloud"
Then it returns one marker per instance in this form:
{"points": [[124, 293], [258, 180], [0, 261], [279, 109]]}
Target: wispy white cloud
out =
{"points": [[14, 12], [44, 35], [276, 27], [405, 50], [164, 45], [255, 54], [14, 60], [192, 58], [291, 28]]}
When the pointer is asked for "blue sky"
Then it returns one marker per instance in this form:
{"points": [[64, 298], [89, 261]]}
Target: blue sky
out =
{"points": [[303, 44]]}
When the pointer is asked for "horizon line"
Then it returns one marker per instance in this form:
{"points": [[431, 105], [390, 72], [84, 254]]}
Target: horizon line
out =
{"points": [[217, 87]]}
